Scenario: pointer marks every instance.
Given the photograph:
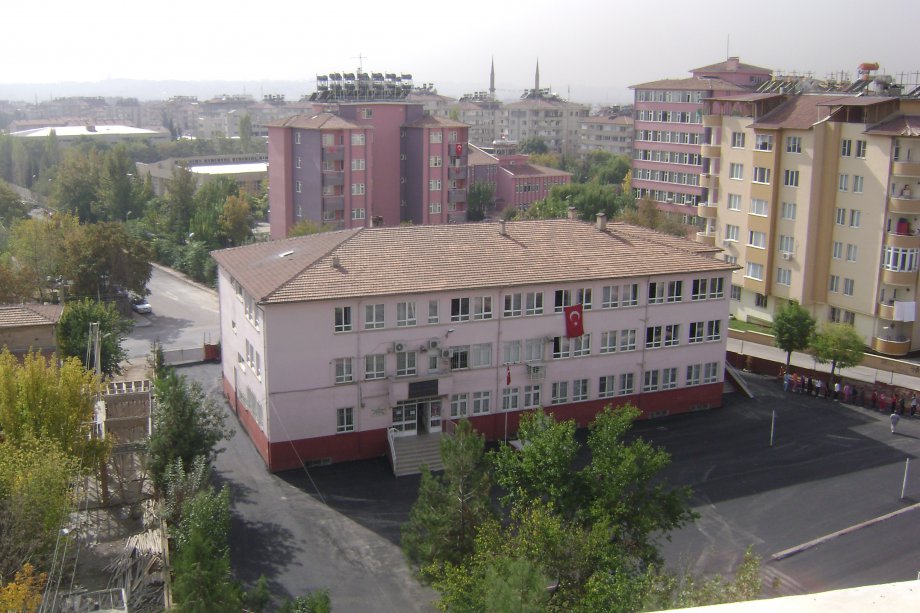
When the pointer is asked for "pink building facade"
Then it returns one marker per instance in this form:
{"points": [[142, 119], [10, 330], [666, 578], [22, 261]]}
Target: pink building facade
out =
{"points": [[517, 182], [332, 340]]}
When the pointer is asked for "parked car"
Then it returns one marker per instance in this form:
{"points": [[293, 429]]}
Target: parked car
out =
{"points": [[139, 304]]}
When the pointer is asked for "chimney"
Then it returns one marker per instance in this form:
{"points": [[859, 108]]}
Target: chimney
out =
{"points": [[732, 63], [602, 222], [572, 213], [501, 228]]}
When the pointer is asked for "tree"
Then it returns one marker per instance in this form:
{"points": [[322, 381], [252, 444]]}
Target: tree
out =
{"points": [[186, 424], [179, 202], [235, 221], [73, 333], [317, 601], [102, 258], [78, 178], [534, 144], [15, 285], [11, 205], [589, 199], [647, 214], [838, 344], [24, 592], [306, 227], [116, 191], [443, 521], [245, 128], [39, 248], [678, 591], [479, 198], [793, 327]]}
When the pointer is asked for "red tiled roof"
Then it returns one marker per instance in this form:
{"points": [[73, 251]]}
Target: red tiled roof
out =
{"points": [[326, 121], [728, 66], [21, 315], [433, 121], [533, 170], [797, 113], [692, 83], [904, 125]]}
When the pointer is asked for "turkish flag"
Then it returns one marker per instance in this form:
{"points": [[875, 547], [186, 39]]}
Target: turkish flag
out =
{"points": [[574, 324], [458, 149], [508, 376]]}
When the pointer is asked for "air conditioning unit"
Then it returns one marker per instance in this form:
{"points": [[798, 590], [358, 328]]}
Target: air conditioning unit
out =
{"points": [[434, 343], [399, 347], [787, 255], [446, 353]]}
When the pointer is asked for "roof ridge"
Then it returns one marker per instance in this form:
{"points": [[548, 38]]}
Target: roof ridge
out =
{"points": [[281, 286]]}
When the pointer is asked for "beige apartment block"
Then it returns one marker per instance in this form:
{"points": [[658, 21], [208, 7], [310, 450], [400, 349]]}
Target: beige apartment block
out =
{"points": [[817, 198]]}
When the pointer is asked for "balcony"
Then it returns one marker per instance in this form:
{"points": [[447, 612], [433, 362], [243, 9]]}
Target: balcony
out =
{"points": [[336, 177], [710, 151], [891, 347], [334, 202], [712, 121], [334, 152], [892, 277], [906, 206], [906, 169], [903, 241], [706, 210], [709, 181], [457, 172], [706, 238], [885, 311], [456, 195]]}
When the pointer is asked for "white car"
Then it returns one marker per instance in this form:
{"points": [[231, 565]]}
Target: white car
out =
{"points": [[140, 305]]}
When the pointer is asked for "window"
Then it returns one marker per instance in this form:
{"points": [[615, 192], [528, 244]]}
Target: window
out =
{"points": [[629, 295], [482, 402], [754, 271], [374, 366], [653, 337], [861, 149], [579, 390], [357, 213], [833, 283], [675, 291], [855, 216], [668, 378], [760, 301], [737, 140], [851, 252], [357, 189], [763, 142], [846, 147], [858, 184], [406, 363], [713, 330], [791, 178], [560, 392], [731, 232], [297, 138], [693, 374], [583, 297], [848, 287], [357, 164], [434, 185], [459, 309], [460, 357], [761, 175], [531, 396], [298, 186], [734, 202], [628, 340], [787, 210], [458, 405], [367, 113], [343, 371], [655, 292], [561, 347], [512, 307], [757, 239], [840, 216], [343, 319], [672, 335], [610, 297], [434, 208], [843, 182], [345, 419], [697, 329], [533, 303], [784, 276], [581, 345], [837, 251], [435, 137], [481, 355], [608, 342], [758, 207], [357, 138], [482, 307], [606, 386], [405, 314], [716, 288], [793, 144], [736, 171], [510, 398], [563, 298], [511, 352], [627, 385], [373, 316], [435, 161], [736, 292], [650, 381], [786, 243], [432, 311], [711, 372]]}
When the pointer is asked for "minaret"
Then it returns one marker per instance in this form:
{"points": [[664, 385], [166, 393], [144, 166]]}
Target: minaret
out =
{"points": [[492, 80], [536, 80]]}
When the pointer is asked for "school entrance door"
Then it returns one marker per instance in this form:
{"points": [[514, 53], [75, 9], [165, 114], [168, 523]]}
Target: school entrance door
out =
{"points": [[417, 416]]}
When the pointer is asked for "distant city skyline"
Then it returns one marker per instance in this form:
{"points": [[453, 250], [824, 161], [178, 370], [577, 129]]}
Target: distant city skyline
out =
{"points": [[589, 51]]}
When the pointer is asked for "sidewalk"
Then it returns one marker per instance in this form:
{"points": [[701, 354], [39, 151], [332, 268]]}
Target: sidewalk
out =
{"points": [[806, 361]]}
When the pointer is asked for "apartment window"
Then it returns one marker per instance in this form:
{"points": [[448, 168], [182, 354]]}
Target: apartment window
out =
{"points": [[697, 331], [628, 340], [435, 161], [668, 378], [533, 303], [343, 319], [758, 207], [406, 363], [512, 305], [561, 347], [737, 140], [650, 381], [757, 239], [716, 288], [357, 213], [734, 202], [345, 419], [531, 396], [482, 307], [627, 384], [482, 402], [560, 392], [434, 185], [763, 142], [581, 345], [760, 301], [833, 284], [579, 390], [699, 289], [851, 252], [837, 251], [511, 352], [736, 292], [405, 314], [297, 138], [713, 330], [655, 292], [458, 405], [373, 316], [653, 337], [840, 216], [858, 184], [610, 297], [606, 386], [711, 372], [793, 144], [357, 189], [846, 147], [761, 175], [671, 335], [731, 232], [675, 291], [374, 366], [459, 309], [328, 140], [432, 311], [754, 271], [460, 357], [357, 139], [563, 298], [357, 164], [848, 285], [791, 178], [533, 349], [298, 186], [736, 171], [629, 295], [435, 137], [693, 374], [787, 210], [583, 297], [481, 355], [343, 371], [608, 342], [511, 399], [786, 243], [843, 182], [855, 217], [861, 149]]}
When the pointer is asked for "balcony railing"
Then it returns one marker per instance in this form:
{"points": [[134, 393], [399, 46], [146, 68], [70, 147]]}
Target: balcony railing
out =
{"points": [[457, 172], [456, 195], [886, 310], [710, 151], [709, 211], [898, 277], [904, 204], [906, 169], [897, 347], [334, 152], [706, 238], [903, 241], [333, 177]]}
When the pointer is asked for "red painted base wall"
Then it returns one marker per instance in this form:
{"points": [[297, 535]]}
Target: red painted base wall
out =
{"points": [[373, 443]]}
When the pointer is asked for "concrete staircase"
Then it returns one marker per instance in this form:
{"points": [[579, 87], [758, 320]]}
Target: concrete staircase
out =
{"points": [[413, 451]]}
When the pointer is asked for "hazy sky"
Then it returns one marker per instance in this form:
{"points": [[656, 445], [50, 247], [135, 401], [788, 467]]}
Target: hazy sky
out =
{"points": [[589, 50]]}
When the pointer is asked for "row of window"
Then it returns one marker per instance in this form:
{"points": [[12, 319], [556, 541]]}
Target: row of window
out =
{"points": [[669, 157], [848, 285], [670, 116], [662, 95], [664, 136], [762, 142], [667, 176]]}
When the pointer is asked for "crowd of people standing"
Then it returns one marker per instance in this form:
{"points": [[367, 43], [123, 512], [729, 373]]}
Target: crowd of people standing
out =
{"points": [[879, 400]]}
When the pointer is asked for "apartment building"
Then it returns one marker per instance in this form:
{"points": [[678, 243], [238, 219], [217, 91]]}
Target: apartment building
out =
{"points": [[611, 134], [669, 130], [815, 197], [517, 182], [337, 343]]}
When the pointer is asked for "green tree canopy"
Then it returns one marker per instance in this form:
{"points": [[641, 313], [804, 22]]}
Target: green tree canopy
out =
{"points": [[39, 246], [534, 144], [589, 199], [646, 213], [839, 344], [102, 257], [73, 333], [235, 221], [794, 327], [11, 205], [479, 199]]}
